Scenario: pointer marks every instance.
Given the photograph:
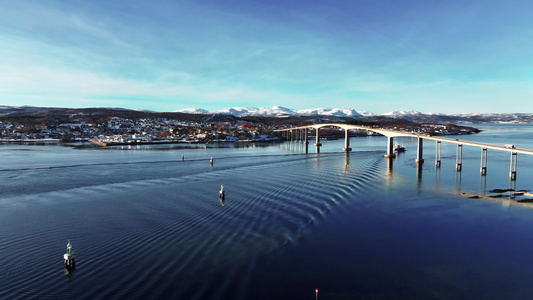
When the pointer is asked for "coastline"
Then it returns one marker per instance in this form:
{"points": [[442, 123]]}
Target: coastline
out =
{"points": [[105, 144], [108, 144], [30, 141]]}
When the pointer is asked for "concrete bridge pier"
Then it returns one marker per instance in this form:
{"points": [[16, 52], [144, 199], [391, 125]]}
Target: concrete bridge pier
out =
{"points": [[346, 141], [483, 170], [390, 147], [437, 154], [514, 162], [317, 143], [420, 151], [459, 158], [306, 139]]}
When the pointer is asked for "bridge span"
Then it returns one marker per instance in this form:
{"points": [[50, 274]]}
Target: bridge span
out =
{"points": [[302, 132]]}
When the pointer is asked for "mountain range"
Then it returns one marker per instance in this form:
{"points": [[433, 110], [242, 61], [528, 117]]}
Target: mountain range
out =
{"points": [[409, 116], [325, 114], [280, 111]]}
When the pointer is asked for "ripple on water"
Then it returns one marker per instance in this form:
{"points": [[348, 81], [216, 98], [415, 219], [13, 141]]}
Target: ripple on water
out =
{"points": [[170, 231]]}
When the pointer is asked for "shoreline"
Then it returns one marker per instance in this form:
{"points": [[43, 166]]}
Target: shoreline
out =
{"points": [[30, 141], [108, 144], [511, 198]]}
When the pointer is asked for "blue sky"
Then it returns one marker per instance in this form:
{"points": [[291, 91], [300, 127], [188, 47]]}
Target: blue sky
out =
{"points": [[376, 56]]}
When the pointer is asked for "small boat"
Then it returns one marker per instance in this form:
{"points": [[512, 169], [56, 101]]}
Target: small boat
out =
{"points": [[399, 148]]}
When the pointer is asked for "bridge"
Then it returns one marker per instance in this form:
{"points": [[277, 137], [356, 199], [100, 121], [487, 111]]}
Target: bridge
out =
{"points": [[302, 132]]}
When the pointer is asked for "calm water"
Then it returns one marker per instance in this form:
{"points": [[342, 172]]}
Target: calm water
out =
{"points": [[146, 225]]}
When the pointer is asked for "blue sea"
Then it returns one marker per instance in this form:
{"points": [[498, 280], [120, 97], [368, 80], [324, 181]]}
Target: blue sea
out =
{"points": [[146, 224]]}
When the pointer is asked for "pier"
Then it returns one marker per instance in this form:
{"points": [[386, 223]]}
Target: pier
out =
{"points": [[301, 133]]}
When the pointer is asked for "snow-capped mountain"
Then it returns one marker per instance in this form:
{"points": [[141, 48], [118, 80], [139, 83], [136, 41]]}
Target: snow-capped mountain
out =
{"points": [[365, 113], [401, 113], [338, 112], [409, 113], [404, 115], [280, 111], [192, 111], [262, 111]]}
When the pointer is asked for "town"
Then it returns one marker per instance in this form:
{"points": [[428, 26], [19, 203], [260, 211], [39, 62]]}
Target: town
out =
{"points": [[115, 127]]}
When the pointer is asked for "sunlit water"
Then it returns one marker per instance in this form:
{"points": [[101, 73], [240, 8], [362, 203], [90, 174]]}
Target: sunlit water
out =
{"points": [[146, 225]]}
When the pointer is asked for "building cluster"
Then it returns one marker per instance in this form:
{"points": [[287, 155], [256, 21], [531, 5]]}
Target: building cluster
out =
{"points": [[122, 130], [436, 129]]}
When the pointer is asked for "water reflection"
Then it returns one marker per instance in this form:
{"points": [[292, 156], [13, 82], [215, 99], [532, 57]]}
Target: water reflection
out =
{"points": [[388, 171], [419, 171], [437, 179], [293, 146], [512, 189], [70, 274], [483, 185], [347, 160], [458, 181]]}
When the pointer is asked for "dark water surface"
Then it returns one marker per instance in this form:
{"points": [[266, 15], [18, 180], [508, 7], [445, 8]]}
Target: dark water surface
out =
{"points": [[146, 225]]}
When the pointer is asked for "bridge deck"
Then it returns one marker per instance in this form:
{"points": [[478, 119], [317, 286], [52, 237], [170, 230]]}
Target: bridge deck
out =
{"points": [[393, 133]]}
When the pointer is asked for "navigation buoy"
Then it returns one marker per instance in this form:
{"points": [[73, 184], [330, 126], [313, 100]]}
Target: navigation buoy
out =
{"points": [[69, 257], [222, 195]]}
